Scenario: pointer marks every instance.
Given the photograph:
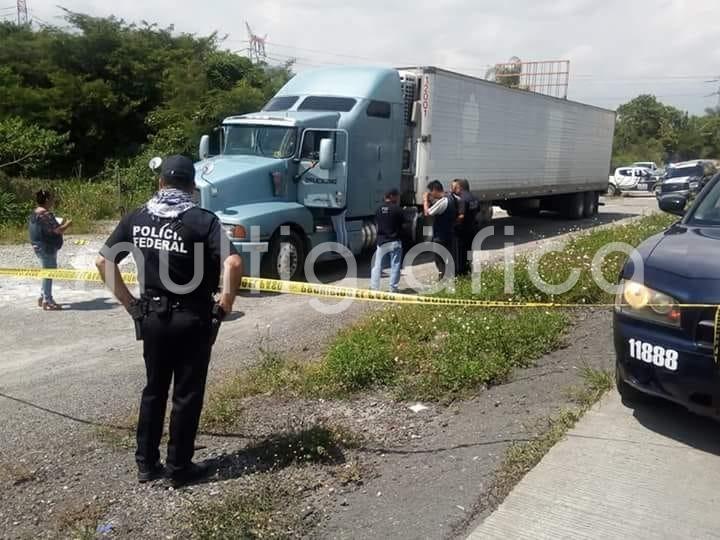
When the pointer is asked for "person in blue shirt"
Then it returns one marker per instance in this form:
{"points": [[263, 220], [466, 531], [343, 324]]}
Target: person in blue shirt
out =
{"points": [[389, 221]]}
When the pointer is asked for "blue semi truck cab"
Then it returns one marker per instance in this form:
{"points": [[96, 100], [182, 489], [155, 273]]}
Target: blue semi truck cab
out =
{"points": [[328, 145]]}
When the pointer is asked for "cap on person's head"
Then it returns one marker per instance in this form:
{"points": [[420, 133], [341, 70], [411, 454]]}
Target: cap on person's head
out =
{"points": [[177, 171], [390, 193]]}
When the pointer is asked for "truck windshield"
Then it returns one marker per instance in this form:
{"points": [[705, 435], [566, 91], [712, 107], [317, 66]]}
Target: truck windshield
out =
{"points": [[259, 140], [707, 212], [680, 172]]}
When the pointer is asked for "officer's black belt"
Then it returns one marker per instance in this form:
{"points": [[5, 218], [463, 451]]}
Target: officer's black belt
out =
{"points": [[161, 302]]}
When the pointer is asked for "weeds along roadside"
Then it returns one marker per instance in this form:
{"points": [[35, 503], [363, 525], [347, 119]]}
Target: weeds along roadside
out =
{"points": [[441, 353]]}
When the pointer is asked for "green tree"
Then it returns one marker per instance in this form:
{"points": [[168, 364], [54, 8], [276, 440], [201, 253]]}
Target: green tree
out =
{"points": [[27, 148], [648, 130], [118, 89]]}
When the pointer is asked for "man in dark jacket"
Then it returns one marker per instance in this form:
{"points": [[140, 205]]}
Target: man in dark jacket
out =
{"points": [[467, 223], [443, 225]]}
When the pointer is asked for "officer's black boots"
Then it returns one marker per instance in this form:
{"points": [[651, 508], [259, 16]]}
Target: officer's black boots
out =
{"points": [[189, 475], [148, 474]]}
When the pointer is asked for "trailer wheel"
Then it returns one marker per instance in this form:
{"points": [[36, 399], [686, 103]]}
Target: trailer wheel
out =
{"points": [[522, 209], [575, 206], [591, 204], [286, 258]]}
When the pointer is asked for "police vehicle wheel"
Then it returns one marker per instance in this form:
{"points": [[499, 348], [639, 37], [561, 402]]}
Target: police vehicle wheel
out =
{"points": [[628, 393], [612, 191], [286, 258]]}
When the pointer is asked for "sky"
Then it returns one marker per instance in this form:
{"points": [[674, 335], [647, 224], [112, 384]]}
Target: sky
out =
{"points": [[617, 49]]}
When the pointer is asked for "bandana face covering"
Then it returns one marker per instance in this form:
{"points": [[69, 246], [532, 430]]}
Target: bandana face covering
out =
{"points": [[170, 203]]}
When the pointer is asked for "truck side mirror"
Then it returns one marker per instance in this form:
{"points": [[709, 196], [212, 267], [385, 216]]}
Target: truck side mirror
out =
{"points": [[155, 164], [327, 154], [673, 203], [204, 149]]}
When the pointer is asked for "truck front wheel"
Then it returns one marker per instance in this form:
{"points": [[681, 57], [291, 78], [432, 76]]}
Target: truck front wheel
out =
{"points": [[286, 258]]}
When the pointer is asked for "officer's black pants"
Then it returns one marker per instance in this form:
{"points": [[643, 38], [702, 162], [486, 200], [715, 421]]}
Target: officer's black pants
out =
{"points": [[176, 346], [447, 256], [464, 256]]}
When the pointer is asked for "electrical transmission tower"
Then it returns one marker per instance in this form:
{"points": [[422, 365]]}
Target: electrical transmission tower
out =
{"points": [[257, 45], [22, 12], [717, 92]]}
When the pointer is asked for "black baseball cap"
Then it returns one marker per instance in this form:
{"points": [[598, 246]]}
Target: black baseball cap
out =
{"points": [[178, 169]]}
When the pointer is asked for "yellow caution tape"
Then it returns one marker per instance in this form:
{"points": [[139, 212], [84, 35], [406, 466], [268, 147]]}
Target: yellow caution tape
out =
{"points": [[312, 289]]}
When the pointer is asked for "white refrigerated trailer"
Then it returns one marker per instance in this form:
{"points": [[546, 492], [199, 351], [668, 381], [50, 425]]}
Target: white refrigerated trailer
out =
{"points": [[520, 150]]}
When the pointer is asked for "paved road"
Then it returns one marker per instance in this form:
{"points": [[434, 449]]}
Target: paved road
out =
{"points": [[643, 473]]}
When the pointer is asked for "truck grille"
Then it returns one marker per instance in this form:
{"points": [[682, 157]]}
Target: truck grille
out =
{"points": [[669, 188]]}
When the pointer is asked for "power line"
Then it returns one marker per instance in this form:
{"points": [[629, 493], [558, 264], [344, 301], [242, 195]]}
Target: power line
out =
{"points": [[660, 96], [479, 68]]}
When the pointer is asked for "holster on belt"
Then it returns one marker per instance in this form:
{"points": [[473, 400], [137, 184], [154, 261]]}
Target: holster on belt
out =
{"points": [[217, 316], [138, 311]]}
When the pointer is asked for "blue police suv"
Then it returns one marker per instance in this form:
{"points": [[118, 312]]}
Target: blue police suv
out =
{"points": [[665, 309]]}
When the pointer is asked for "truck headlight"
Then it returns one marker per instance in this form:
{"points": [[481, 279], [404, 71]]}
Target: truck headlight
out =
{"points": [[235, 232], [638, 300]]}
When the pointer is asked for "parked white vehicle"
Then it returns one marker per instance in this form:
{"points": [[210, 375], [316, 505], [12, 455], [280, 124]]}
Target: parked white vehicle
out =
{"points": [[630, 179], [646, 165]]}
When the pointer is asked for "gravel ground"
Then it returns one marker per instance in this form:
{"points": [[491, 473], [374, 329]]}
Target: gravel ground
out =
{"points": [[63, 375]]}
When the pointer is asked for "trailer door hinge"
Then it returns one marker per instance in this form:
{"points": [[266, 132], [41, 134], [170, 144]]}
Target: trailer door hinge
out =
{"points": [[426, 138]]}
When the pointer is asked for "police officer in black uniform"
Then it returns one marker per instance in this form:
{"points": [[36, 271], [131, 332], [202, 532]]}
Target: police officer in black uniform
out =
{"points": [[467, 226], [179, 249]]}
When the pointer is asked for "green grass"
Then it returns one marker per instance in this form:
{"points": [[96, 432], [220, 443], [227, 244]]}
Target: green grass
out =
{"points": [[596, 383], [555, 267], [260, 511]]}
